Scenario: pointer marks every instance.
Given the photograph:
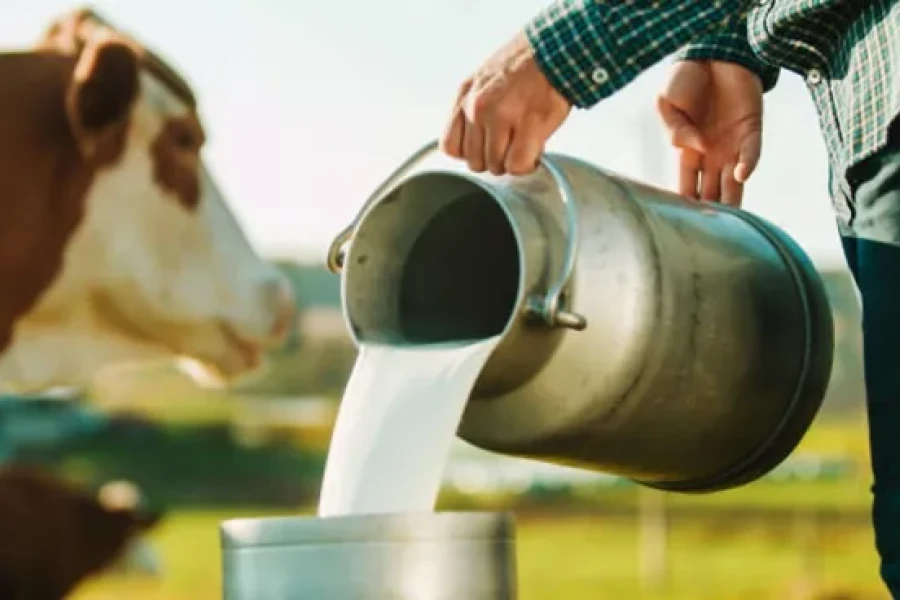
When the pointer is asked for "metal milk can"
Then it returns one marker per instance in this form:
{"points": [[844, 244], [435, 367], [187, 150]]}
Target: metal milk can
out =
{"points": [[684, 345]]}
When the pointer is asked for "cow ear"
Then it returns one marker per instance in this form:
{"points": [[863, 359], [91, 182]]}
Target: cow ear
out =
{"points": [[104, 86], [69, 32]]}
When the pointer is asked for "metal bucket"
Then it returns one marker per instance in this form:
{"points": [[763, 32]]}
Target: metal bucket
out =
{"points": [[685, 345], [428, 556]]}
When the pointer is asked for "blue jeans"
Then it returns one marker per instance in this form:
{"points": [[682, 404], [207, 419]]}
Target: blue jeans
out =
{"points": [[876, 269], [873, 254]]}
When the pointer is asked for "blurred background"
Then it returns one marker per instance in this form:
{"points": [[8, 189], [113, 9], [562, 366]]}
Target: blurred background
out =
{"points": [[308, 106]]}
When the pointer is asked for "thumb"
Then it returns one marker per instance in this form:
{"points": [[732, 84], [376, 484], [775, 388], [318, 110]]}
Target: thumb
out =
{"points": [[748, 157], [682, 131]]}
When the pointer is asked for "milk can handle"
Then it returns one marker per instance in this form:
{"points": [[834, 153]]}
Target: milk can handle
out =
{"points": [[546, 308], [338, 249]]}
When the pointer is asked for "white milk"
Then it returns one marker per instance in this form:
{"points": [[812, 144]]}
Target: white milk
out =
{"points": [[397, 421]]}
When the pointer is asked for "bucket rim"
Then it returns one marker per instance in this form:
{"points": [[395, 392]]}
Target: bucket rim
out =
{"points": [[312, 530]]}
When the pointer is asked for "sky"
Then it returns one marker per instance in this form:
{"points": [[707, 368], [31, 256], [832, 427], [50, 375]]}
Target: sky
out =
{"points": [[310, 104]]}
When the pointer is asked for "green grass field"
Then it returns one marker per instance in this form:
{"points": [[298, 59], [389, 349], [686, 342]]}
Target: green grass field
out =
{"points": [[581, 558], [590, 558]]}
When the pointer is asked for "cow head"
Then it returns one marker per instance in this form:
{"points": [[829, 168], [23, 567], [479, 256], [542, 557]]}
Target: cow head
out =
{"points": [[157, 256]]}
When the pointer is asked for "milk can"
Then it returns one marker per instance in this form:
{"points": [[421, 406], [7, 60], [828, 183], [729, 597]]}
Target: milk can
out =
{"points": [[684, 345], [427, 556]]}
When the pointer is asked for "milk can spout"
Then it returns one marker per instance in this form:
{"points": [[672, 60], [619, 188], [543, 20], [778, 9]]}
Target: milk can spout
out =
{"points": [[548, 309]]}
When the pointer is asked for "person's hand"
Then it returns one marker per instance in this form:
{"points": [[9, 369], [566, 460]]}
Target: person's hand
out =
{"points": [[505, 113], [712, 111]]}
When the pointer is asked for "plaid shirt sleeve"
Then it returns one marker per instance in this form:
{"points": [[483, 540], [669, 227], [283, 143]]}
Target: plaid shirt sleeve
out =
{"points": [[590, 49], [730, 44]]}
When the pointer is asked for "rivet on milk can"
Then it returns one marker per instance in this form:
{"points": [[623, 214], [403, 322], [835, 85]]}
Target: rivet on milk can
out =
{"points": [[423, 556], [684, 345]]}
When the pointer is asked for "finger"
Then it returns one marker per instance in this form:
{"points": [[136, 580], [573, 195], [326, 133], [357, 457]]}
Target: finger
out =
{"points": [[473, 147], [524, 153], [452, 138], [689, 173], [682, 131], [711, 182], [748, 157], [732, 190], [496, 144]]}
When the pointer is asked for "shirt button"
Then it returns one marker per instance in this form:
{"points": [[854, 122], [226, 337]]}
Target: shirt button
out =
{"points": [[814, 77], [600, 76]]}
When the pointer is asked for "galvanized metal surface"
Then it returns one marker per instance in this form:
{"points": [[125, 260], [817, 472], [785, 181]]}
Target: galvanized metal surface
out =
{"points": [[709, 342], [432, 556]]}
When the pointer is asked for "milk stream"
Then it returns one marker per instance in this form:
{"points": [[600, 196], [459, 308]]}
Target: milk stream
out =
{"points": [[396, 424]]}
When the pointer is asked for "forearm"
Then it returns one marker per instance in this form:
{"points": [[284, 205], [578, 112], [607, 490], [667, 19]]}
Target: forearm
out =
{"points": [[590, 49]]}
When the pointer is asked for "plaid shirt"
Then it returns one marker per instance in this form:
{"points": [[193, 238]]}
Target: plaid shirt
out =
{"points": [[848, 51]]}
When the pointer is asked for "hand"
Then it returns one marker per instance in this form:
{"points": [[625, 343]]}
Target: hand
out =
{"points": [[505, 113], [712, 111]]}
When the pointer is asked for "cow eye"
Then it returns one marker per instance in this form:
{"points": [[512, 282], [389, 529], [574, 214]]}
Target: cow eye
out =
{"points": [[185, 139]]}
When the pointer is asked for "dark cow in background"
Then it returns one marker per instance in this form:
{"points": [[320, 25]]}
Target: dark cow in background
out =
{"points": [[115, 242], [55, 535]]}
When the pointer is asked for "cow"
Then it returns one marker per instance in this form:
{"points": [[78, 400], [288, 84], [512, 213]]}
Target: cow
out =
{"points": [[57, 535], [115, 242]]}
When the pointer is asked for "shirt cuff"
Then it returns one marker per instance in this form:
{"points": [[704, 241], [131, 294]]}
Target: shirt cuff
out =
{"points": [[590, 49], [573, 54], [734, 48]]}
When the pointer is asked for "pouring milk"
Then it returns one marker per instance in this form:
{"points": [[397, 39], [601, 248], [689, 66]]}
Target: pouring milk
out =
{"points": [[397, 421]]}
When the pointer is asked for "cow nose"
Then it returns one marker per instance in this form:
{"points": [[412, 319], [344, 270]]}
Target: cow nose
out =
{"points": [[280, 301]]}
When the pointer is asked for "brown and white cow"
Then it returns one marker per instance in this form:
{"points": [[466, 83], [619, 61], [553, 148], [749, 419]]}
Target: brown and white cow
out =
{"points": [[115, 243]]}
